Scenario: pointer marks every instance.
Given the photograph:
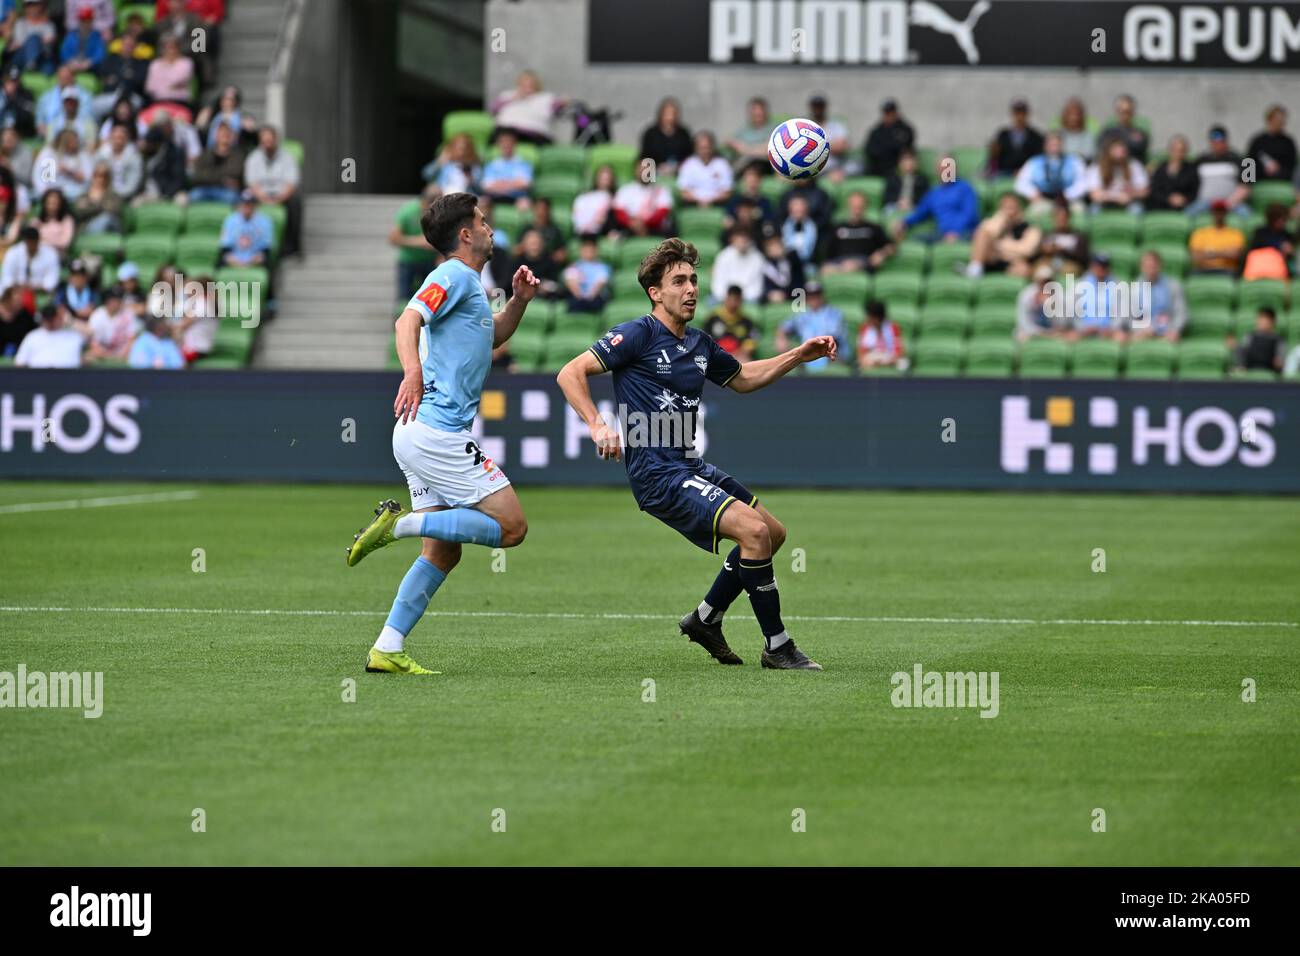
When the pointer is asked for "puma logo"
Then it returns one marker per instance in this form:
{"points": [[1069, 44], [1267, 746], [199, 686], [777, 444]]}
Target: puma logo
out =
{"points": [[927, 14]]}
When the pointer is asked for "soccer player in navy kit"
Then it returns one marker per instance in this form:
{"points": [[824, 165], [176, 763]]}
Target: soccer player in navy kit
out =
{"points": [[660, 366]]}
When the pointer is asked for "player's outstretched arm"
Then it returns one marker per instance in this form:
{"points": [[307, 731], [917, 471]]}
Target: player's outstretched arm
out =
{"points": [[411, 391], [573, 382], [755, 375], [524, 286]]}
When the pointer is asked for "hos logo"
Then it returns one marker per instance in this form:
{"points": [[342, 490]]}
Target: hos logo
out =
{"points": [[1206, 436], [112, 423]]}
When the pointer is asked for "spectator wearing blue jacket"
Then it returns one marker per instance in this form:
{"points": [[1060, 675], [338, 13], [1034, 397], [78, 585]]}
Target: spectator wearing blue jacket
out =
{"points": [[155, 347], [246, 234], [952, 204], [507, 178], [83, 49], [799, 232], [1051, 175]]}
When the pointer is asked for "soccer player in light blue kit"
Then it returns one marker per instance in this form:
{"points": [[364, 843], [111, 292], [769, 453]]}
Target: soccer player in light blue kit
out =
{"points": [[445, 338]]}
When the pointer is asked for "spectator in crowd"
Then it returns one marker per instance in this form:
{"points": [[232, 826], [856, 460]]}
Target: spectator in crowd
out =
{"points": [[856, 244], [123, 160], [532, 253], [227, 110], [1116, 180], [272, 174], [750, 192], [122, 112], [1217, 248], [1164, 307], [135, 29], [1124, 126], [11, 215], [880, 341], [1099, 307], [593, 210], [837, 135], [1219, 169], [747, 218], [72, 118], [170, 76], [50, 108], [197, 328], [587, 280], [527, 110], [55, 222], [667, 142], [1064, 249], [508, 177], [133, 292], [247, 234], [1005, 242], [189, 15], [643, 209], [155, 347], [749, 143], [1272, 149], [102, 19], [1016, 144], [1175, 182], [1076, 138], [15, 321], [951, 203], [99, 208], [1277, 246], [820, 318], [17, 108], [1038, 312], [906, 185], [53, 344], [799, 232], [63, 165], [218, 174], [17, 155], [739, 263], [76, 296], [164, 163], [820, 205], [415, 257], [32, 39], [782, 270], [122, 76], [1262, 347], [704, 178], [1051, 175], [887, 140], [553, 243], [731, 328], [456, 169], [83, 48]]}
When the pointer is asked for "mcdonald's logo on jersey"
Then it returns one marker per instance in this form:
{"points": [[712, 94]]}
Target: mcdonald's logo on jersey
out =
{"points": [[433, 297]]}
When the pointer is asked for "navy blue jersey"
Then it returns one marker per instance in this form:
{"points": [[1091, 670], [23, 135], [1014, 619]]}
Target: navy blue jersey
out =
{"points": [[658, 379]]}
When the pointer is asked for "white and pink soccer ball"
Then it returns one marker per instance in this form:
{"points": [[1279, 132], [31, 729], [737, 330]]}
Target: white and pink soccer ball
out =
{"points": [[798, 149]]}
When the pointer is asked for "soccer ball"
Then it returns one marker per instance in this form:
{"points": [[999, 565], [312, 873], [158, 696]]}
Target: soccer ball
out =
{"points": [[798, 149]]}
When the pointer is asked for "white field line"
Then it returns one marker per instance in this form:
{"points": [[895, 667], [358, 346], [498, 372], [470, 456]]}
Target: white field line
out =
{"points": [[71, 503], [539, 615]]}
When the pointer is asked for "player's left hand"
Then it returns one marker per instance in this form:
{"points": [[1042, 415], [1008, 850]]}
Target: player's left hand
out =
{"points": [[524, 285], [823, 346]]}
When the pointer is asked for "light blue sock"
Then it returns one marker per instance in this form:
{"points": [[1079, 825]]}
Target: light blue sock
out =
{"points": [[461, 524], [414, 595]]}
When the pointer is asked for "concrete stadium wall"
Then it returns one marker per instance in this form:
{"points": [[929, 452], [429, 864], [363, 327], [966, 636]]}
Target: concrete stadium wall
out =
{"points": [[949, 106]]}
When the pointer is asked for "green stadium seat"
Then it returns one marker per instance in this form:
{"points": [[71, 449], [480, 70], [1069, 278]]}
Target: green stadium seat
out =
{"points": [[926, 158], [708, 248], [1268, 191], [477, 123], [897, 288], [1165, 226], [38, 84], [1257, 375], [249, 274], [999, 287], [946, 256], [944, 322], [1202, 359], [1042, 357], [1123, 262], [909, 256], [106, 245], [908, 321], [510, 219], [1209, 322], [1111, 228], [635, 248], [205, 218], [990, 358], [295, 149], [993, 321], [195, 251], [140, 247], [1204, 290], [125, 11], [772, 188], [571, 160], [856, 285], [949, 290], [528, 152], [625, 285], [619, 155], [561, 189], [694, 223], [938, 357], [1260, 292], [873, 187], [161, 218], [1150, 358], [1095, 358], [972, 161], [1175, 259], [624, 308]]}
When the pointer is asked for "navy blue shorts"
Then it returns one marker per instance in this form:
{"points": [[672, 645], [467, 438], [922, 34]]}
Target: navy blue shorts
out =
{"points": [[691, 501]]}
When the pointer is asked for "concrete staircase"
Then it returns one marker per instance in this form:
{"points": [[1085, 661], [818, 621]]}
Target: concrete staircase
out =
{"points": [[337, 305], [248, 44]]}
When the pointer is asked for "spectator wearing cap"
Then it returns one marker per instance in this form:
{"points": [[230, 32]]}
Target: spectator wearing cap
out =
{"points": [[905, 186], [731, 328], [122, 76], [99, 14], [1217, 248], [856, 244], [53, 345], [75, 295], [704, 178], [837, 136], [1220, 172], [55, 221], [1051, 175], [880, 341], [112, 328], [783, 272], [819, 318], [1124, 126], [170, 75], [32, 39], [124, 161], [587, 280], [247, 234], [739, 263], [73, 118], [1099, 306], [218, 174], [50, 108], [1005, 242], [1164, 307], [1115, 180], [17, 108], [643, 209], [155, 347], [62, 165], [886, 140], [1273, 149], [99, 208], [1175, 182], [951, 203], [667, 142], [1016, 144], [83, 49], [272, 175], [748, 144], [1035, 314], [527, 110], [15, 322], [1262, 348], [508, 177]]}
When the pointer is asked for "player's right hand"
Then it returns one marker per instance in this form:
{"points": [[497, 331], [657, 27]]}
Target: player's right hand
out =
{"points": [[408, 398], [608, 444]]}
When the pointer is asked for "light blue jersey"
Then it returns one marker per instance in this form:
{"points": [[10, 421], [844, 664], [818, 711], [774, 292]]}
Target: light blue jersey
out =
{"points": [[455, 345]]}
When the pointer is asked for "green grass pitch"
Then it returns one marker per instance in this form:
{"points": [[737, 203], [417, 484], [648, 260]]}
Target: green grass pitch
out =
{"points": [[539, 710]]}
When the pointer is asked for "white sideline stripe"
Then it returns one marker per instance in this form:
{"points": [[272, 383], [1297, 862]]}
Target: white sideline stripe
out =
{"points": [[540, 615], [99, 502]]}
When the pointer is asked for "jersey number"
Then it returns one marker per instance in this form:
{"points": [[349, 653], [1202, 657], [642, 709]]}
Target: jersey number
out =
{"points": [[707, 490]]}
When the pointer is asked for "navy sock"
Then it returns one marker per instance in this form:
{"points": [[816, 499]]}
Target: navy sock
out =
{"points": [[726, 587], [759, 581]]}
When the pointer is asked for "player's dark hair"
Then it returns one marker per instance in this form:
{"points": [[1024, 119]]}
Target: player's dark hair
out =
{"points": [[445, 218], [666, 255]]}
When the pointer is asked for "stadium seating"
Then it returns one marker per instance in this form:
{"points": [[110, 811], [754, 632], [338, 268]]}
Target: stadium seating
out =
{"points": [[1043, 358], [1150, 359]]}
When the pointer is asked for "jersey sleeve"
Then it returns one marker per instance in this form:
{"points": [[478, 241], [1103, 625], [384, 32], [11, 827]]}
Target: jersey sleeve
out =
{"points": [[620, 346], [722, 367], [433, 299]]}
